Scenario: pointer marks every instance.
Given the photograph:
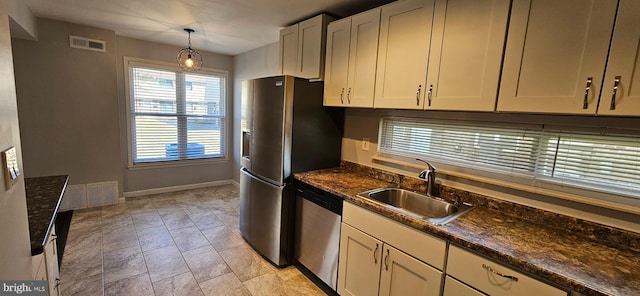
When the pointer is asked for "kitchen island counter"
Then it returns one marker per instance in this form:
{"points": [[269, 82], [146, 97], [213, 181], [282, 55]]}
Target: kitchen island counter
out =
{"points": [[573, 254]]}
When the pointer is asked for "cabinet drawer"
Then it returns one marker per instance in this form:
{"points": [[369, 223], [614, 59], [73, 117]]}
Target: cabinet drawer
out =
{"points": [[418, 244], [483, 274], [452, 287]]}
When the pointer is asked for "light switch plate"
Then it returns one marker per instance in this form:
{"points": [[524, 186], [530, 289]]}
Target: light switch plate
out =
{"points": [[365, 144], [10, 167]]}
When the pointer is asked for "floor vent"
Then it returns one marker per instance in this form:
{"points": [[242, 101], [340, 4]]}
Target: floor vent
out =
{"points": [[87, 43]]}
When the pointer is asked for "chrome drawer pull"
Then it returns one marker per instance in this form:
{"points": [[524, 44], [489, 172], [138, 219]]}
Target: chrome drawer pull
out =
{"points": [[585, 103], [429, 94], [418, 95], [341, 95], [349, 96], [375, 254], [488, 268], [616, 83]]}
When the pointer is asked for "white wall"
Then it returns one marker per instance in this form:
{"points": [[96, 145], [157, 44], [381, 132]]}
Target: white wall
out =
{"points": [[260, 62], [15, 248]]}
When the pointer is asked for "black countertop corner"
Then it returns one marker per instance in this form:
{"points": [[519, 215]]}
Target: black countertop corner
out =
{"points": [[43, 200]]}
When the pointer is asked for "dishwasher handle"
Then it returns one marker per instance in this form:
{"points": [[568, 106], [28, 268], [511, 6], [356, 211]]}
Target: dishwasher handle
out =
{"points": [[323, 199]]}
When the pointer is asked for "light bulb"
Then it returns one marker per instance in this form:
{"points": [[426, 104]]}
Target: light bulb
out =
{"points": [[189, 63]]}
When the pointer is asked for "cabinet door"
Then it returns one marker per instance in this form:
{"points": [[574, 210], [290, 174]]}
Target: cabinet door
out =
{"points": [[403, 52], [555, 55], [404, 275], [359, 263], [453, 287], [337, 62], [51, 261], [624, 64], [363, 55], [466, 54], [311, 47], [289, 50]]}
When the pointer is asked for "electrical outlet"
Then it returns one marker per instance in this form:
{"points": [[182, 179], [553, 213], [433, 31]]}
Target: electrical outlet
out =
{"points": [[365, 144]]}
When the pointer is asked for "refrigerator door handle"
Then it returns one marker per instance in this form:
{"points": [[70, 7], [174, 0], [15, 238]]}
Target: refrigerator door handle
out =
{"points": [[244, 170]]}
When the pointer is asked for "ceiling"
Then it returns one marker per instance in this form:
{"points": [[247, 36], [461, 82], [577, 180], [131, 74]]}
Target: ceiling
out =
{"points": [[222, 26]]}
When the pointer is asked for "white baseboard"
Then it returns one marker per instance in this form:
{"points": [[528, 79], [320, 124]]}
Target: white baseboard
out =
{"points": [[235, 183], [179, 188]]}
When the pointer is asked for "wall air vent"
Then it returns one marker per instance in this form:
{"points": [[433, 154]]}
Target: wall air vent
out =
{"points": [[87, 43]]}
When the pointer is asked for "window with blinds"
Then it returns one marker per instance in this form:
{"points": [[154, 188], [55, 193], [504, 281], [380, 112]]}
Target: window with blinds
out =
{"points": [[175, 115], [609, 163]]}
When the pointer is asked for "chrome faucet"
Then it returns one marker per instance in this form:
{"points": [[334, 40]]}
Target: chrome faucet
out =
{"points": [[430, 175]]}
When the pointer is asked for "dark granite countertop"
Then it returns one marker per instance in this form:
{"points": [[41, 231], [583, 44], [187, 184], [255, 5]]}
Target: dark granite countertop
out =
{"points": [[43, 199], [576, 255]]}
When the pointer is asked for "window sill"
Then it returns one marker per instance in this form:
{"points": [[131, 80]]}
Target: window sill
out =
{"points": [[176, 163], [517, 186]]}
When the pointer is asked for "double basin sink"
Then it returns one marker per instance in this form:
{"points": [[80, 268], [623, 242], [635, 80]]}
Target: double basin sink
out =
{"points": [[432, 209]]}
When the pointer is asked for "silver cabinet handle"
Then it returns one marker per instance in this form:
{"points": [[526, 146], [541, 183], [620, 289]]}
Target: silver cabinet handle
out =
{"points": [[418, 95], [585, 103], [341, 95], [375, 254], [429, 94], [488, 268], [616, 83], [386, 261], [349, 96]]}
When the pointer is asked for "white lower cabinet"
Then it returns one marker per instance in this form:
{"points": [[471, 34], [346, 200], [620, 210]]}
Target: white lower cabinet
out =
{"points": [[45, 265], [492, 278], [402, 274], [379, 256], [359, 263]]}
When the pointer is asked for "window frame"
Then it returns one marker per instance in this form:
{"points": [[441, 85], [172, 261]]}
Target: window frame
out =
{"points": [[535, 183], [167, 66]]}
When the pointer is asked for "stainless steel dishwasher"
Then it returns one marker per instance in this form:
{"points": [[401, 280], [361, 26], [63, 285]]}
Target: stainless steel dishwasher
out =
{"points": [[317, 237]]}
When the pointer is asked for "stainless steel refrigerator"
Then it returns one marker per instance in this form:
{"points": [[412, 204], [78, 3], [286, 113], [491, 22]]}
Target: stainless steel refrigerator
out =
{"points": [[285, 129]]}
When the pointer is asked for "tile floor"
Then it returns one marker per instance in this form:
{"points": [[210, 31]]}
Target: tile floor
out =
{"points": [[182, 243]]}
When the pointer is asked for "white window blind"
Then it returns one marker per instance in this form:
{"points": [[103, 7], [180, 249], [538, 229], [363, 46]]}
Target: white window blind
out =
{"points": [[609, 163], [176, 115], [591, 160]]}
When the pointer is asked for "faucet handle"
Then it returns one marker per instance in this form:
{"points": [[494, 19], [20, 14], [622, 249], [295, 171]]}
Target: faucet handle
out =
{"points": [[430, 166]]}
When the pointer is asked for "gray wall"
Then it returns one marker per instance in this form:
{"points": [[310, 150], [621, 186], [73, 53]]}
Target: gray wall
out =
{"points": [[260, 62], [15, 249], [142, 179], [72, 109], [67, 104]]}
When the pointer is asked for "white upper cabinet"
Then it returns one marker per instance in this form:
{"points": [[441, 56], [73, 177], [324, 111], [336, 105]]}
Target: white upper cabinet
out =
{"points": [[306, 58], [337, 62], [555, 55], [289, 49], [352, 51], [403, 51], [466, 54], [621, 90]]}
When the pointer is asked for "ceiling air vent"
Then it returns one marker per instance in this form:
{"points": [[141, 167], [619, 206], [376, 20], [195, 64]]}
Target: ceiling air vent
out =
{"points": [[87, 43]]}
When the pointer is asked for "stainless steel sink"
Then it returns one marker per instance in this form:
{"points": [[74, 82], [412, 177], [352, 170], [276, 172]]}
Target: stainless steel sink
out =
{"points": [[433, 209]]}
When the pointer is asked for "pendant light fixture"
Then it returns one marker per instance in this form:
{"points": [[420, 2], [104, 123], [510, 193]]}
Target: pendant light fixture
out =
{"points": [[188, 58]]}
